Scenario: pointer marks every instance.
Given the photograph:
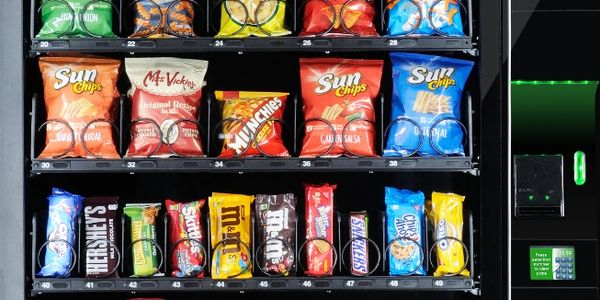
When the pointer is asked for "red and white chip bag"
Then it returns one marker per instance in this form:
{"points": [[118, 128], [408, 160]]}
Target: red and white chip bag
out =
{"points": [[338, 96], [319, 229], [165, 94]]}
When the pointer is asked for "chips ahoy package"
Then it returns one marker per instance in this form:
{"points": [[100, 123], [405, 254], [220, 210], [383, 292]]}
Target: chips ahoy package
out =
{"points": [[426, 105], [64, 208], [404, 216], [425, 17]]}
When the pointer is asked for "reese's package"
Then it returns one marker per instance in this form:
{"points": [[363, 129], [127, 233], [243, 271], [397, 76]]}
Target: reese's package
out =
{"points": [[424, 17], [447, 215], [231, 231], [143, 228], [249, 128], [276, 217], [75, 19], [338, 96], [163, 19], [63, 209], [404, 214], [244, 18], [101, 235], [319, 224], [428, 91], [186, 237], [165, 94], [79, 91]]}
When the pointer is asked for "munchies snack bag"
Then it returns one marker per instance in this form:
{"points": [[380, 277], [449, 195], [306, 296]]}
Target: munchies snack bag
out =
{"points": [[77, 91], [319, 224], [338, 108], [230, 220]]}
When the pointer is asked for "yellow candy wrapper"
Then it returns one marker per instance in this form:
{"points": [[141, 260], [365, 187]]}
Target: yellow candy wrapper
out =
{"points": [[236, 13], [446, 213], [230, 220]]}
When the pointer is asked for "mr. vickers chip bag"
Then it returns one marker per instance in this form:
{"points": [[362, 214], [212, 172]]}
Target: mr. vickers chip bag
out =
{"points": [[231, 232], [165, 94], [427, 91], [79, 92], [338, 97], [250, 126]]}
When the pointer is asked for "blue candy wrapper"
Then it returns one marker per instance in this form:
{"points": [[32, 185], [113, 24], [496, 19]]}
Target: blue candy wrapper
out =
{"points": [[404, 216], [445, 18], [428, 93], [63, 210]]}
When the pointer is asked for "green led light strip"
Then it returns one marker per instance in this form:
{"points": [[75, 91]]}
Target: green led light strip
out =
{"points": [[554, 82]]}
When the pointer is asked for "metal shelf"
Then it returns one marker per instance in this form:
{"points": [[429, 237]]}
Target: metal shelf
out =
{"points": [[259, 164], [169, 284], [210, 44]]}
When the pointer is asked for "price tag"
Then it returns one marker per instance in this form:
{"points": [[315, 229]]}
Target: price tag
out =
{"points": [[176, 284], [220, 284], [263, 284], [393, 42], [132, 284], [393, 283]]}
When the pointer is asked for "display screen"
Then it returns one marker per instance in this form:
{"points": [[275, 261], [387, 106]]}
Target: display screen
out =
{"points": [[552, 263]]}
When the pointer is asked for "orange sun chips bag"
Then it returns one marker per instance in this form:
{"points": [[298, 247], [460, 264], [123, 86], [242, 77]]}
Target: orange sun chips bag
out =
{"points": [[79, 91]]}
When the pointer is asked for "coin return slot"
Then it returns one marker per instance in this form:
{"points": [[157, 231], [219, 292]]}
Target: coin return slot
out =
{"points": [[235, 284], [191, 284], [234, 164], [278, 284], [148, 284], [277, 164], [190, 164], [146, 164], [102, 165], [60, 165], [365, 163], [102, 44], [233, 43], [322, 163], [147, 44], [189, 43], [105, 284], [365, 283], [407, 43], [322, 284], [59, 44], [60, 285], [364, 43], [409, 283]]}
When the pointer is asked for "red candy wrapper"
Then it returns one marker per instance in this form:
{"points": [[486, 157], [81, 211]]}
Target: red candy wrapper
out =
{"points": [[319, 224], [338, 18], [187, 256]]}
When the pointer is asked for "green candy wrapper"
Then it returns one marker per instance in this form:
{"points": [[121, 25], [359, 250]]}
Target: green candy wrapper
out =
{"points": [[60, 21], [145, 254]]}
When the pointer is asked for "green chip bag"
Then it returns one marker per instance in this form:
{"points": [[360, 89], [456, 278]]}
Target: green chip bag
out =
{"points": [[143, 228], [270, 16], [62, 21]]}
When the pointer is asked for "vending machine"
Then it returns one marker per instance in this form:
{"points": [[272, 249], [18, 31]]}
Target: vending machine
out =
{"points": [[180, 149]]}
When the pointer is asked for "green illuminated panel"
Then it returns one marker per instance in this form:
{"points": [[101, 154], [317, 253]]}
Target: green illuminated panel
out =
{"points": [[554, 82]]}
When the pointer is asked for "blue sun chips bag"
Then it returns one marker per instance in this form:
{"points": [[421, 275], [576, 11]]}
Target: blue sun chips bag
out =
{"points": [[404, 216], [425, 17], [427, 92], [63, 210]]}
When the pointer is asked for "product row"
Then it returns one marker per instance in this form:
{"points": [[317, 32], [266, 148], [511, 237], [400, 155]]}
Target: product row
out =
{"points": [[338, 98], [244, 18], [254, 235]]}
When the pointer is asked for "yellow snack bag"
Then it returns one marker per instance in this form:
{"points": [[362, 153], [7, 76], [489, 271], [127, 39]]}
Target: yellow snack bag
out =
{"points": [[230, 220], [241, 18], [446, 213]]}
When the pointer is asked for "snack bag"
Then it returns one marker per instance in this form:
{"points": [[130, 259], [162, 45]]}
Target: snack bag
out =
{"points": [[405, 17], [165, 91], [447, 213], [359, 251], [78, 91], [163, 19], [143, 226], [319, 224], [252, 109], [230, 220], [75, 20], [427, 90], [404, 215], [245, 18], [276, 217], [187, 256], [63, 209], [101, 235], [338, 96], [339, 18]]}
